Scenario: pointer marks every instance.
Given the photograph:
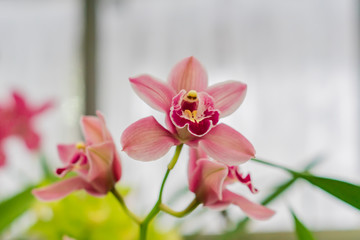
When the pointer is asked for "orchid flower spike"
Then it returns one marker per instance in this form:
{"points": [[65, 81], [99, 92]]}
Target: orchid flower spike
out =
{"points": [[208, 180], [192, 113], [96, 163]]}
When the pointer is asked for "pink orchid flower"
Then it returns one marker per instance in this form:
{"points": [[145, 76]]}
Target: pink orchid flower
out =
{"points": [[192, 113], [17, 119], [96, 163], [208, 180]]}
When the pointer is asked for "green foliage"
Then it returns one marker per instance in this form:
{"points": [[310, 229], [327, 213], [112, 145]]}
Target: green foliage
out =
{"points": [[344, 191], [302, 232], [12, 208], [278, 191], [81, 216]]}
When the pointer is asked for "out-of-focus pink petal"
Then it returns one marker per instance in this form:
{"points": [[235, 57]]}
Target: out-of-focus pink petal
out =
{"points": [[147, 140], [105, 132], [66, 152], [60, 189], [92, 129], [188, 74], [251, 209], [32, 140], [2, 157], [116, 167], [20, 103], [100, 159], [227, 96], [46, 106], [155, 93], [207, 180], [225, 144]]}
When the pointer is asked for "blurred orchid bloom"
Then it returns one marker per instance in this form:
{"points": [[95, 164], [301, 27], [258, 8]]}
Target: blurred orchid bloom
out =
{"points": [[96, 163], [208, 180], [16, 119], [192, 114]]}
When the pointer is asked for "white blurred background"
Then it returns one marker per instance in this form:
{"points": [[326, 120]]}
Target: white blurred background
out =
{"points": [[300, 60]]}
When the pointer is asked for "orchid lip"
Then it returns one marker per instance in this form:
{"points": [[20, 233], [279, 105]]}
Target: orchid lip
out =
{"points": [[235, 174], [194, 112], [76, 163]]}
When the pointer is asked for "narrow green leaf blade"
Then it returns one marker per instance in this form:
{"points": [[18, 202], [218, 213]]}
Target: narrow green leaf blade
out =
{"points": [[302, 232], [12, 208], [347, 192], [344, 191]]}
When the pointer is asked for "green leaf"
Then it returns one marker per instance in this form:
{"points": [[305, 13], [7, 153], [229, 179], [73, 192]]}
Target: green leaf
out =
{"points": [[302, 232], [278, 191], [344, 191], [12, 208]]}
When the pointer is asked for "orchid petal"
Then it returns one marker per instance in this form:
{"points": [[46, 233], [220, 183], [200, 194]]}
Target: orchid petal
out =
{"points": [[155, 93], [20, 103], [117, 167], [100, 159], [66, 152], [92, 129], [228, 96], [207, 180], [32, 139], [105, 132], [194, 155], [44, 107], [170, 126], [60, 189], [2, 157], [251, 209], [188, 74], [147, 140], [226, 145]]}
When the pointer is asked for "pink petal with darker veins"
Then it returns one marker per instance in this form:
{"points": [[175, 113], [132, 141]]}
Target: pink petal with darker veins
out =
{"points": [[226, 145], [228, 96], [188, 74], [147, 140], [154, 92]]}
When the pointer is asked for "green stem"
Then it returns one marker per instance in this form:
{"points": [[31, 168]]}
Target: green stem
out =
{"points": [[124, 207], [182, 213], [175, 157], [156, 209]]}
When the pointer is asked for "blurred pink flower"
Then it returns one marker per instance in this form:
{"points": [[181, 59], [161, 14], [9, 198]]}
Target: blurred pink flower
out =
{"points": [[17, 119], [208, 180], [96, 163], [192, 114]]}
